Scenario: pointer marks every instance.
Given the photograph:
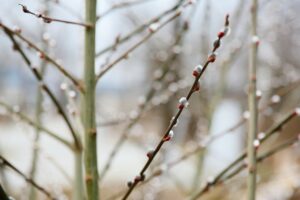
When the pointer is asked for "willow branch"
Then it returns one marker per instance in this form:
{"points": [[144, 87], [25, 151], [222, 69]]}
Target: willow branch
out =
{"points": [[136, 45], [141, 28], [121, 5], [200, 147], [27, 120], [271, 131], [28, 180], [142, 108], [259, 159], [48, 19], [44, 55], [182, 104], [46, 89]]}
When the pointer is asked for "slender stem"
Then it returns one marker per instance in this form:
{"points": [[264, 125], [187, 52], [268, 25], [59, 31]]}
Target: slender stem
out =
{"points": [[200, 148], [28, 180], [261, 158], [120, 5], [142, 108], [211, 58], [141, 28], [252, 101], [51, 95], [31, 44], [47, 19], [78, 191], [271, 131], [38, 112], [124, 55], [27, 120], [89, 115]]}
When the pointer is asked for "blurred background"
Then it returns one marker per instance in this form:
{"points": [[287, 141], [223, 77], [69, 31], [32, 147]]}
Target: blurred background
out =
{"points": [[138, 97]]}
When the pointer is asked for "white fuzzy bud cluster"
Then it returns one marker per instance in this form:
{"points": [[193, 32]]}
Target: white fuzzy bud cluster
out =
{"points": [[154, 27], [255, 39], [275, 98], [256, 143], [184, 102]]}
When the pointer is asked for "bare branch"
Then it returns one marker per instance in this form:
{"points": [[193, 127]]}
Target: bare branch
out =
{"points": [[120, 5], [46, 89], [28, 180], [152, 30], [148, 97], [183, 102], [43, 54], [272, 130], [141, 28], [48, 20], [27, 120]]}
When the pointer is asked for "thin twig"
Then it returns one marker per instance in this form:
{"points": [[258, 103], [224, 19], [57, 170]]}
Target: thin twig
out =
{"points": [[121, 5], [27, 120], [142, 107], [67, 8], [136, 45], [201, 146], [38, 113], [44, 55], [46, 89], [183, 102], [141, 28], [28, 180], [262, 157], [271, 131], [48, 20]]}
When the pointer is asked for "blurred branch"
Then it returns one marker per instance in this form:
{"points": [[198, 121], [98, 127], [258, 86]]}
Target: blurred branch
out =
{"points": [[38, 114], [148, 97], [152, 30], [202, 145], [183, 102], [43, 55], [67, 8], [46, 89], [60, 168], [233, 53], [141, 28], [252, 104], [27, 120], [262, 157], [271, 131], [121, 5], [28, 180], [48, 20]]}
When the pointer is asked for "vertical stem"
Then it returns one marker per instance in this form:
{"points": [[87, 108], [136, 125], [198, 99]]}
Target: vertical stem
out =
{"points": [[252, 101], [78, 192], [38, 112], [91, 169]]}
